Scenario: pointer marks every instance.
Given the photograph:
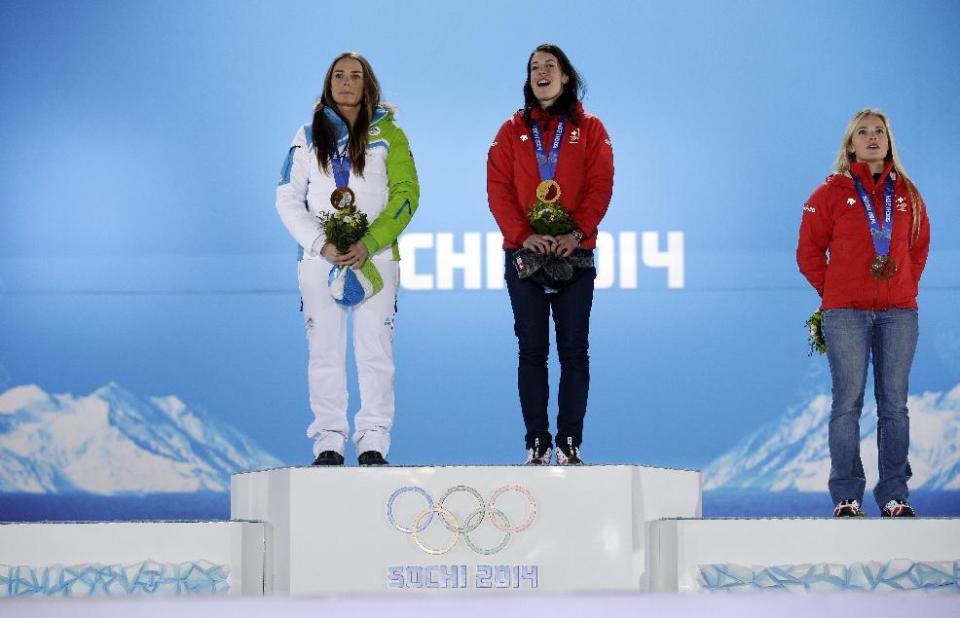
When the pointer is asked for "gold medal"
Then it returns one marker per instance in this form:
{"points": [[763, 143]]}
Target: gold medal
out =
{"points": [[343, 198], [883, 267], [548, 191]]}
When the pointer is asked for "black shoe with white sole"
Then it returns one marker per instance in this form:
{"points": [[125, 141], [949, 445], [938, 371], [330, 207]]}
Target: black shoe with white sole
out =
{"points": [[328, 458], [371, 458]]}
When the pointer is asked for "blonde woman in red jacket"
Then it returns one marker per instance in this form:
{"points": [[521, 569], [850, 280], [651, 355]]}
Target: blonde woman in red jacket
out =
{"points": [[551, 141], [864, 240]]}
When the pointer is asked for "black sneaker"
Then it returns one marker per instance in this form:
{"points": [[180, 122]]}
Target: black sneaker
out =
{"points": [[897, 508], [568, 454], [538, 455], [371, 458], [848, 508], [328, 458]]}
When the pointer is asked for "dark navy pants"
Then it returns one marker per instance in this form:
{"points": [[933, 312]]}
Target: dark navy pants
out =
{"points": [[532, 305]]}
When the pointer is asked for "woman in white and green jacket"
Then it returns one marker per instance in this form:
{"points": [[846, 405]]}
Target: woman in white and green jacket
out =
{"points": [[352, 144]]}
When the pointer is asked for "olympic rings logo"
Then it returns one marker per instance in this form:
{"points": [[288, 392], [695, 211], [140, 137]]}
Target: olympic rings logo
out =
{"points": [[485, 511]]}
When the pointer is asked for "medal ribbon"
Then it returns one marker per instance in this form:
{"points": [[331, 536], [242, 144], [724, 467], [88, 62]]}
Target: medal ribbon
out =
{"points": [[548, 162], [880, 232], [340, 162], [341, 168]]}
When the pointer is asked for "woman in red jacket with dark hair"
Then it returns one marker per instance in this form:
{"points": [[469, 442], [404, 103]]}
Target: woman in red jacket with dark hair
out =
{"points": [[551, 143], [863, 245]]}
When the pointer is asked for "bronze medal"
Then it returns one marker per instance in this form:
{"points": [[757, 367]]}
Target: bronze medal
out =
{"points": [[548, 191], [883, 267], [343, 198]]}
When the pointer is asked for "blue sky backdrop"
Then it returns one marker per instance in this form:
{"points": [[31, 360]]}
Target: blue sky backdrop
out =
{"points": [[140, 144]]}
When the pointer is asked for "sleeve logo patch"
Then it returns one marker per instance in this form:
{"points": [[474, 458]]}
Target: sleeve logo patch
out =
{"points": [[809, 208]]}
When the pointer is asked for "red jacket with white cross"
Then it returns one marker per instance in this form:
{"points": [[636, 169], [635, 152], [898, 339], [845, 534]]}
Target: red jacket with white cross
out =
{"points": [[584, 173], [835, 248]]}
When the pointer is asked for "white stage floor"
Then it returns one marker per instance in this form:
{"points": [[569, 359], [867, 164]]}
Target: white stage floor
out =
{"points": [[525, 606]]}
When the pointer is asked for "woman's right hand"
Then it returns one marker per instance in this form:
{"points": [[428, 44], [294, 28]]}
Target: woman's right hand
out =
{"points": [[329, 252], [539, 243]]}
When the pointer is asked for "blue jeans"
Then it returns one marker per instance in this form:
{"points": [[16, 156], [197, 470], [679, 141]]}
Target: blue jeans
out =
{"points": [[531, 320], [852, 336]]}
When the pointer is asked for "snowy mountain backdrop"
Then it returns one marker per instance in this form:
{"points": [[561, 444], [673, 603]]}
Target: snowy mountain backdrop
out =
{"points": [[792, 454], [112, 442]]}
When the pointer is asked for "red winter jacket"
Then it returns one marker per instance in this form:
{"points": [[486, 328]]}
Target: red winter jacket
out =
{"points": [[584, 172], [834, 221]]}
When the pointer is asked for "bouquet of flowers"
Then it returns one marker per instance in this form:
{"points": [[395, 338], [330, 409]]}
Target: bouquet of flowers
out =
{"points": [[349, 286], [550, 219], [814, 326], [344, 227]]}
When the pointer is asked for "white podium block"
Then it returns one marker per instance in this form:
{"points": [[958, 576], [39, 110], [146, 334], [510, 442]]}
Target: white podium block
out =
{"points": [[131, 558], [804, 554], [460, 528]]}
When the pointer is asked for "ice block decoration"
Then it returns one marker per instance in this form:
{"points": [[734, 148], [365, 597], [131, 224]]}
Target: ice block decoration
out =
{"points": [[895, 575], [146, 578]]}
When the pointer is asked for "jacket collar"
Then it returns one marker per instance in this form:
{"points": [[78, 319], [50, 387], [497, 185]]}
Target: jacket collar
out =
{"points": [[340, 125], [379, 113], [538, 114], [862, 171]]}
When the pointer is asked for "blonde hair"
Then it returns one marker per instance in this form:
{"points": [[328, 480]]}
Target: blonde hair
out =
{"points": [[846, 156]]}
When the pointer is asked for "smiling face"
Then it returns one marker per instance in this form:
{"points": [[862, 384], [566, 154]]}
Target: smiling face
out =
{"points": [[547, 79], [870, 142], [346, 82]]}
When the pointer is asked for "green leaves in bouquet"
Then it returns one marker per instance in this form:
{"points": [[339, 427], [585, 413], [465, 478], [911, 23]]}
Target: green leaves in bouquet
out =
{"points": [[343, 228], [550, 219], [814, 326]]}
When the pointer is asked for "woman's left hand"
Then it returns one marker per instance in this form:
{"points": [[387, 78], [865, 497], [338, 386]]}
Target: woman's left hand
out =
{"points": [[356, 256], [564, 245]]}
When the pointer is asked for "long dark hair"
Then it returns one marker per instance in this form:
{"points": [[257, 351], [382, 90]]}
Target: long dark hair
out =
{"points": [[324, 133], [570, 95]]}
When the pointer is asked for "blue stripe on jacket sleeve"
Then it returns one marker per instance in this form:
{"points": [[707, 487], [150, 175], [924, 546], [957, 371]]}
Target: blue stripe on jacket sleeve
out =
{"points": [[287, 166], [406, 204]]}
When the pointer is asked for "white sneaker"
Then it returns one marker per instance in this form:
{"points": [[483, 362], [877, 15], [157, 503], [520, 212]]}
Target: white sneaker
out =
{"points": [[568, 454], [848, 508], [897, 508], [538, 456]]}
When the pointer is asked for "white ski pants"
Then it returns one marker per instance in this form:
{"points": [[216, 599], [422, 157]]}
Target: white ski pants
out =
{"points": [[326, 326]]}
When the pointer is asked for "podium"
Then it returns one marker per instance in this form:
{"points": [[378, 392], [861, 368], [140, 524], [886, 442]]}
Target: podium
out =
{"points": [[484, 529], [463, 532], [133, 558], [805, 554]]}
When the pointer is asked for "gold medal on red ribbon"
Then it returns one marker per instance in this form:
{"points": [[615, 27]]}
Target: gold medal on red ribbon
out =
{"points": [[883, 267], [343, 198], [548, 191]]}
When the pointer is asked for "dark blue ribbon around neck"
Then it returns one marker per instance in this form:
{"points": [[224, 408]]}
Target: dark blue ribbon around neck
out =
{"points": [[548, 162], [341, 168], [879, 231]]}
